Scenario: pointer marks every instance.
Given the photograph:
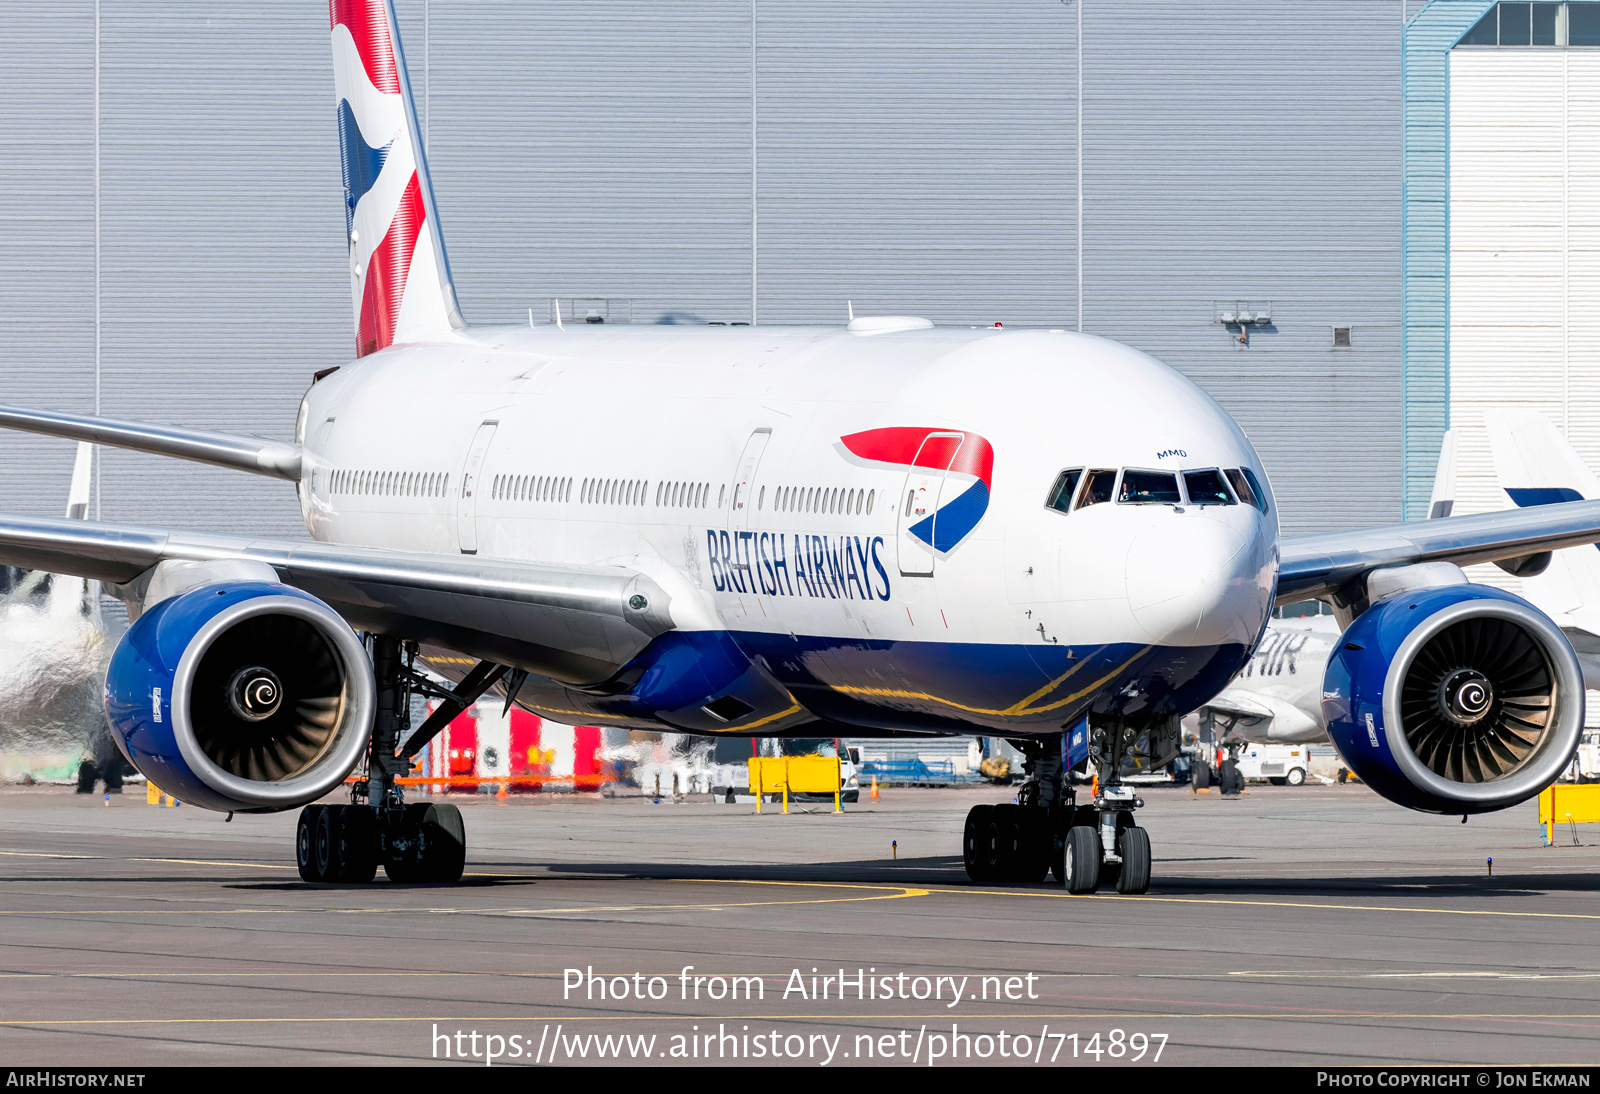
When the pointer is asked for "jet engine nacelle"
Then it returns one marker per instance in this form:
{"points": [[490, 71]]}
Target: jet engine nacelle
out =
{"points": [[246, 696], [1460, 699]]}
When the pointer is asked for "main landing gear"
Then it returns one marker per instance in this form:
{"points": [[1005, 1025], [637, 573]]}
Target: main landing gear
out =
{"points": [[1047, 831], [419, 842]]}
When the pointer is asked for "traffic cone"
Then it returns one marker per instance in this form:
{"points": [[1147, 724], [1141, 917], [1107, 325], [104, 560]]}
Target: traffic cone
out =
{"points": [[874, 795], [500, 795]]}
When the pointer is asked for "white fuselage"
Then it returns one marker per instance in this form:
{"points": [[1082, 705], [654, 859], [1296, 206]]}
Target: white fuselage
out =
{"points": [[712, 460]]}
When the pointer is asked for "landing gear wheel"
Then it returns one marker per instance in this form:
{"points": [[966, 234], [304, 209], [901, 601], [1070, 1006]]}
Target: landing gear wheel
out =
{"points": [[1133, 844], [358, 844], [1111, 872], [1035, 845], [1005, 826], [1082, 859], [1296, 777], [444, 836], [325, 844], [975, 844], [305, 843], [431, 845]]}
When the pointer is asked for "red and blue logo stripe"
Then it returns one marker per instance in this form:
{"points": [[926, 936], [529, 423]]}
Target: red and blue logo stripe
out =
{"points": [[383, 262], [965, 458]]}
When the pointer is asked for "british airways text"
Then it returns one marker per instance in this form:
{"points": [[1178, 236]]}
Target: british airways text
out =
{"points": [[837, 567]]}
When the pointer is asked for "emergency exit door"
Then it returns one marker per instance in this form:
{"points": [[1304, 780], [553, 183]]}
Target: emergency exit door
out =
{"points": [[919, 501], [467, 498], [743, 500]]}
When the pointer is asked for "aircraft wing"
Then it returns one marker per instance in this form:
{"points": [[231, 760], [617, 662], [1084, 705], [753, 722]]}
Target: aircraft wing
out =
{"points": [[1317, 566], [253, 454], [575, 624]]}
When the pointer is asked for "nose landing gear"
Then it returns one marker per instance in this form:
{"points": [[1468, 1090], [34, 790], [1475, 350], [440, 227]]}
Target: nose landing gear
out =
{"points": [[1085, 846]]}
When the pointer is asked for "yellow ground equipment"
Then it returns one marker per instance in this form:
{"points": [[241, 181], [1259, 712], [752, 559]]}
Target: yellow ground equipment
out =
{"points": [[1567, 803], [795, 774]]}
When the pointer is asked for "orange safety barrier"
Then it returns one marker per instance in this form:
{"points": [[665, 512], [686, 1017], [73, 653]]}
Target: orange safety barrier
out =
{"points": [[586, 781]]}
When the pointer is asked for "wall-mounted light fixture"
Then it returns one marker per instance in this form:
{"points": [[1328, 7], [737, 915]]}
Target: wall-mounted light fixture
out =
{"points": [[1242, 313]]}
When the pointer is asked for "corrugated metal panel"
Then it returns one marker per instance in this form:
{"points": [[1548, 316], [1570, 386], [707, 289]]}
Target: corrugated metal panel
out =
{"points": [[916, 159], [1524, 254], [593, 150], [46, 237], [1229, 161], [1425, 230]]}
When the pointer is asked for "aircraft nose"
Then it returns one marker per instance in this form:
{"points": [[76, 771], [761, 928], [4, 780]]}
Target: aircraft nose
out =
{"points": [[1193, 581]]}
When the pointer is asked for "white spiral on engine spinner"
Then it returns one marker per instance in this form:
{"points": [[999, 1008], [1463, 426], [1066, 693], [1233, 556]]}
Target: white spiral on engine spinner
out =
{"points": [[254, 694]]}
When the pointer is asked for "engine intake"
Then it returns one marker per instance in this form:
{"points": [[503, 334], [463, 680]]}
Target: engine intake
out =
{"points": [[248, 696], [1461, 699]]}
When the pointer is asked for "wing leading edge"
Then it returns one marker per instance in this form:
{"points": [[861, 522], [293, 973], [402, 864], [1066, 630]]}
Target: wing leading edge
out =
{"points": [[1323, 565], [259, 457], [577, 625]]}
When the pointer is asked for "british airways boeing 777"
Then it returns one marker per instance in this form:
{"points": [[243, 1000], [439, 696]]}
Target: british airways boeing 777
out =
{"points": [[882, 529]]}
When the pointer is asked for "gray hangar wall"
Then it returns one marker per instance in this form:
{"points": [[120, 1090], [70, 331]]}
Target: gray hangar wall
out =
{"points": [[170, 244]]}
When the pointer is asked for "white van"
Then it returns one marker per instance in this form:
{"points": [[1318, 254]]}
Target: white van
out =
{"points": [[1280, 765]]}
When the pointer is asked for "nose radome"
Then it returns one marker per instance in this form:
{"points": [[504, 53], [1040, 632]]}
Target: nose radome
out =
{"points": [[1191, 582]]}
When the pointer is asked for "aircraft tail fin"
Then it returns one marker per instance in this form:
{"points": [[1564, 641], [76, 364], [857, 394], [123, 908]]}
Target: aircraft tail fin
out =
{"points": [[1534, 462], [78, 495], [1444, 479], [1536, 466], [400, 279]]}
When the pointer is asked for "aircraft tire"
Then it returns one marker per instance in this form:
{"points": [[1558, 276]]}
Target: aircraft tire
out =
{"points": [[325, 844], [305, 843], [358, 845], [1082, 859], [1006, 826], [445, 844], [975, 844], [1134, 847], [1035, 845]]}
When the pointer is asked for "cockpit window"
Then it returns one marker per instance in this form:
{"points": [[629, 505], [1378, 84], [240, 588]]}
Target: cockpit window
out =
{"points": [[1098, 488], [1149, 488], [1261, 495], [1207, 488], [1244, 484], [1060, 497]]}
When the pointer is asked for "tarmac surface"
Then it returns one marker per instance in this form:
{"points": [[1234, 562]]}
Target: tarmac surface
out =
{"points": [[1314, 925]]}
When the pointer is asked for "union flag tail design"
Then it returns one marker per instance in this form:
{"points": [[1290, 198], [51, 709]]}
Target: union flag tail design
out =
{"points": [[399, 271]]}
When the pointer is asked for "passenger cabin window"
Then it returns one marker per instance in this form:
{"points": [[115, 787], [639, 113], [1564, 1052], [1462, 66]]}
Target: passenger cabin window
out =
{"points": [[1060, 497], [1098, 488], [1149, 488], [1207, 488]]}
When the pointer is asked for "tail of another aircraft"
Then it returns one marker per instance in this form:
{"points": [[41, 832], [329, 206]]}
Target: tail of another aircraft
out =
{"points": [[1536, 466], [399, 272]]}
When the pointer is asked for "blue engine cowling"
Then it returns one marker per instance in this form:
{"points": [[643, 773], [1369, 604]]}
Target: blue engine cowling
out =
{"points": [[245, 696], [1455, 699]]}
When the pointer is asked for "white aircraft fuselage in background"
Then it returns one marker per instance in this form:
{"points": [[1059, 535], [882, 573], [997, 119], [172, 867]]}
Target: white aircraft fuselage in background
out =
{"points": [[715, 461]]}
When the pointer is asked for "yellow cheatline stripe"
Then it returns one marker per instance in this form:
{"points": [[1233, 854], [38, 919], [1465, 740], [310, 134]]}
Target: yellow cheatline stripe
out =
{"points": [[835, 1016], [793, 709], [1016, 709], [1273, 904]]}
